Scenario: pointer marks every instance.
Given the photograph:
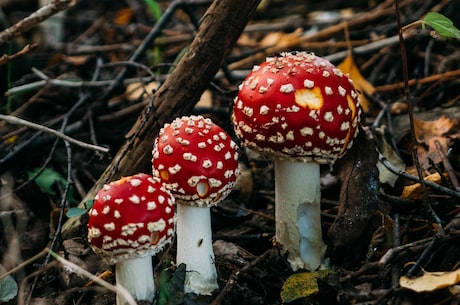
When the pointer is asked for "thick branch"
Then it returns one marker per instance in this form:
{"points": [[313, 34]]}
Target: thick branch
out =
{"points": [[220, 27]]}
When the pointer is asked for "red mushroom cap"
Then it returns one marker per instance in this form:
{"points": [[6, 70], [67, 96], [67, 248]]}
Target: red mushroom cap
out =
{"points": [[297, 105], [131, 217], [196, 160]]}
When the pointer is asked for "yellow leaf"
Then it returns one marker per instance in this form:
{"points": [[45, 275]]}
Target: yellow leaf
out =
{"points": [[301, 285], [430, 281], [136, 91], [414, 191], [11, 139], [361, 84], [124, 16]]}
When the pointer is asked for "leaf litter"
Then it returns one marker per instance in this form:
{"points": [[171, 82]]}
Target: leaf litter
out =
{"points": [[375, 221]]}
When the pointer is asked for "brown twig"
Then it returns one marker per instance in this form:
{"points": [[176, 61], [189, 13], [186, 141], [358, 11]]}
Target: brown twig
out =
{"points": [[413, 82], [447, 166], [35, 18], [26, 50], [235, 275]]}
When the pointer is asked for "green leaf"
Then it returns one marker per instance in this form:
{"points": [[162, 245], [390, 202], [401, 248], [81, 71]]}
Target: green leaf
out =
{"points": [[154, 8], [8, 289], [76, 211], [171, 286], [301, 285], [441, 24], [46, 179]]}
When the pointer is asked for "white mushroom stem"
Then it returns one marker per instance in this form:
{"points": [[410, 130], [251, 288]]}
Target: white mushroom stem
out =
{"points": [[136, 275], [298, 213], [194, 249]]}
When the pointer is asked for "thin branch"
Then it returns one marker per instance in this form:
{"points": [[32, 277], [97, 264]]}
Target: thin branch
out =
{"points": [[77, 269], [410, 177], [26, 50], [74, 84], [18, 121], [35, 18]]}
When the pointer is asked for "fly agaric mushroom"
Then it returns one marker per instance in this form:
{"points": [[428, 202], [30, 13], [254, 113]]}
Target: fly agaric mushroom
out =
{"points": [[303, 111], [198, 162], [132, 219]]}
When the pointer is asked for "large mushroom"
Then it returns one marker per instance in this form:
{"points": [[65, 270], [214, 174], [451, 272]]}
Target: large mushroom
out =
{"points": [[303, 111], [132, 219], [198, 162]]}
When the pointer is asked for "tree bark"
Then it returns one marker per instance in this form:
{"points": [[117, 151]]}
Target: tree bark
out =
{"points": [[219, 29]]}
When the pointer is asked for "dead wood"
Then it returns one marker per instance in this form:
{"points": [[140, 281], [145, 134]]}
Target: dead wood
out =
{"points": [[220, 27]]}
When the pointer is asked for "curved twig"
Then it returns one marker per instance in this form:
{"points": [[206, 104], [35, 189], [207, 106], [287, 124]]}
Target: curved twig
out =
{"points": [[15, 120]]}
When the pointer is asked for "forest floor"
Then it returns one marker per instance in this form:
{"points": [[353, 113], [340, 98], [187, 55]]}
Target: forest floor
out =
{"points": [[382, 227]]}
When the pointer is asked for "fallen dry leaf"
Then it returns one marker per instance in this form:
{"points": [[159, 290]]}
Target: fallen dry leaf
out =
{"points": [[430, 132], [361, 84], [430, 281], [281, 38], [301, 285], [414, 191], [427, 129], [137, 91]]}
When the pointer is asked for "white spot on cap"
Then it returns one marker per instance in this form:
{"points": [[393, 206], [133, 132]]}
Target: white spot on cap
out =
{"points": [[223, 135], [189, 157], [135, 199], [130, 228], [263, 89], [156, 226], [339, 109], [328, 90], [135, 182], [306, 131], [151, 205], [118, 201], [326, 73], [167, 150], [94, 232], [337, 72], [109, 226], [287, 88], [308, 83], [328, 117], [116, 214], [106, 210], [174, 169], [215, 182], [248, 111], [264, 110], [207, 163], [345, 126], [260, 137], [342, 91], [228, 174]]}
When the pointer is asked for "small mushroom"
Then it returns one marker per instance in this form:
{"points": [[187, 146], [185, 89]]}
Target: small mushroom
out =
{"points": [[303, 111], [131, 220], [198, 162]]}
